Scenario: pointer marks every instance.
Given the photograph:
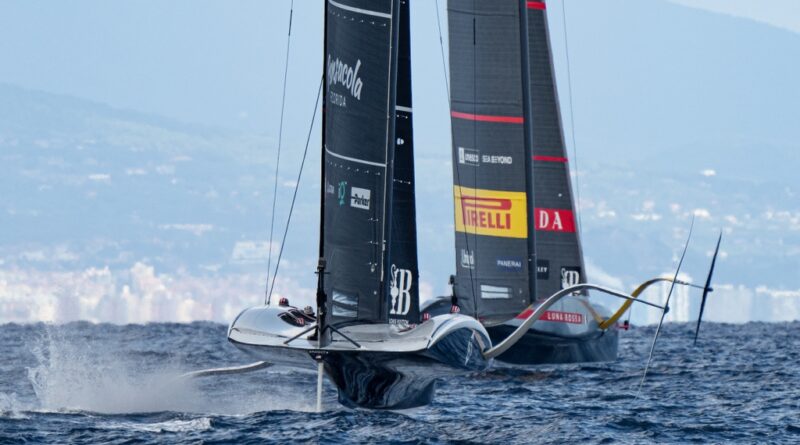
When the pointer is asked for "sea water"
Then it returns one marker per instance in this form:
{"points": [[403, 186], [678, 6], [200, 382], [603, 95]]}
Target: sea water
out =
{"points": [[100, 383]]}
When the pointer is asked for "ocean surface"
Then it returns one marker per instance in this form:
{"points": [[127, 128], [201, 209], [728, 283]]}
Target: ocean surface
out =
{"points": [[99, 383]]}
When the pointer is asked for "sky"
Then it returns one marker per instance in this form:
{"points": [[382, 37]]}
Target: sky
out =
{"points": [[219, 62], [660, 87], [199, 61], [204, 61], [784, 14]]}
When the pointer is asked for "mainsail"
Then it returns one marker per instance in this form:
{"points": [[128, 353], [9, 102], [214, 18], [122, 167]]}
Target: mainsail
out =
{"points": [[365, 281], [558, 249], [515, 230], [493, 238], [404, 266]]}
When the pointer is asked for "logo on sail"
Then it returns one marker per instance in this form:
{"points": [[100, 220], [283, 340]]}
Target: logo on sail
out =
{"points": [[359, 198], [489, 292], [467, 259], [491, 213], [400, 291], [543, 269], [497, 159], [555, 220], [509, 264], [342, 192], [468, 156], [340, 73], [472, 157], [570, 276]]}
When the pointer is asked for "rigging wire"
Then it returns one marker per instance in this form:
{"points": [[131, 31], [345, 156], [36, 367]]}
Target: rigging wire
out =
{"points": [[572, 118], [267, 294], [441, 48], [470, 254], [296, 187]]}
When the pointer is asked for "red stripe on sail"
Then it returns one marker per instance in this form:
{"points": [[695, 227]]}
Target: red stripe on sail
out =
{"points": [[537, 5], [487, 118], [549, 158]]}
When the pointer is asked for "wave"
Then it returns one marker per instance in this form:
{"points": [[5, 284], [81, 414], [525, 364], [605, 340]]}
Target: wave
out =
{"points": [[79, 372]]}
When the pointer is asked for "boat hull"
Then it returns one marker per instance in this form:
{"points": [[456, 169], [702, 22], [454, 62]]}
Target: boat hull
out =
{"points": [[568, 332], [387, 371], [384, 380], [540, 348]]}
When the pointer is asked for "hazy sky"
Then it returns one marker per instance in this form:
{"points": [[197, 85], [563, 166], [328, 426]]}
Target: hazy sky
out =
{"points": [[207, 61], [197, 60], [780, 13], [221, 62]]}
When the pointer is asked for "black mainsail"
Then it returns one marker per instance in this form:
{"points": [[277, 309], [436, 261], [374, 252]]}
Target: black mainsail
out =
{"points": [[516, 238], [494, 240], [369, 242], [558, 247], [404, 267]]}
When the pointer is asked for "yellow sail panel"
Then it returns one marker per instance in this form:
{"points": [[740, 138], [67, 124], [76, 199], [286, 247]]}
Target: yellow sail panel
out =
{"points": [[491, 212]]}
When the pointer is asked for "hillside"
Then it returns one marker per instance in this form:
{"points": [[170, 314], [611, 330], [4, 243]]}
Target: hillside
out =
{"points": [[678, 112]]}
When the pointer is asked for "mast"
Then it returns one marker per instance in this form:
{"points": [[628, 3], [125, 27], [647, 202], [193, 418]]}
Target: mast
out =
{"points": [[387, 272], [528, 134]]}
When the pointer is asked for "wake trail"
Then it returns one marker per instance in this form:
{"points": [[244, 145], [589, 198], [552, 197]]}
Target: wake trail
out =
{"points": [[100, 376]]}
